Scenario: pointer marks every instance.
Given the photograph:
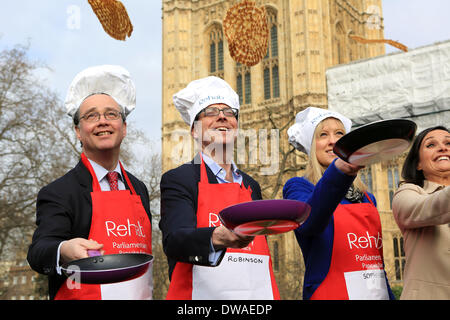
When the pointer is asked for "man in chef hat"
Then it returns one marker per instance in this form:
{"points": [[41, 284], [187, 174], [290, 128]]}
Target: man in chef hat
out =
{"points": [[201, 100], [97, 204], [192, 196]]}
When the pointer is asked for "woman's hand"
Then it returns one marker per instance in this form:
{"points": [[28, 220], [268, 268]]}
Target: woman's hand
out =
{"points": [[347, 168]]}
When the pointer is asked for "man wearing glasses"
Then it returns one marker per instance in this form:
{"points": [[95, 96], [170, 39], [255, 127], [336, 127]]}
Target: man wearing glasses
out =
{"points": [[96, 206], [206, 260]]}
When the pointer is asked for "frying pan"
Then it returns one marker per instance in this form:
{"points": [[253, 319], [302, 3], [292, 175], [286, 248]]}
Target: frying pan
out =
{"points": [[264, 217], [101, 269], [376, 141]]}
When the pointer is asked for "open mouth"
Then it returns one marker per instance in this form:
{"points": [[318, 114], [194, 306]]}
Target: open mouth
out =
{"points": [[224, 129], [103, 133], [443, 158]]}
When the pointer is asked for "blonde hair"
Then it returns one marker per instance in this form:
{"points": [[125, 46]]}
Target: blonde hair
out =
{"points": [[314, 169]]}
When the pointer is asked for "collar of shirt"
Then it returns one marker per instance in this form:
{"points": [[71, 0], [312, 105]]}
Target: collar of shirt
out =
{"points": [[220, 173], [101, 173], [430, 186]]}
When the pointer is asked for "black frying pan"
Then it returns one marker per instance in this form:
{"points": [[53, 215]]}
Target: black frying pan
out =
{"points": [[376, 141], [109, 268]]}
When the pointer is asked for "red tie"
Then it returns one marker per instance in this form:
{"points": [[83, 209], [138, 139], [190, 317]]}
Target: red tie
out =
{"points": [[112, 179]]}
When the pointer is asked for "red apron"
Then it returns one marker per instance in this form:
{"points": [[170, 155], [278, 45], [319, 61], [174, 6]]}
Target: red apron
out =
{"points": [[243, 273], [120, 222], [356, 269]]}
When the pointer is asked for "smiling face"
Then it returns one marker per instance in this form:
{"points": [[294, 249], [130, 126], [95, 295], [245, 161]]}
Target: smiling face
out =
{"points": [[328, 132], [218, 130], [434, 156], [102, 135]]}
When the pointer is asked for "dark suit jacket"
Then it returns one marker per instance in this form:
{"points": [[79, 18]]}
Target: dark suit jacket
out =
{"points": [[64, 212], [182, 240]]}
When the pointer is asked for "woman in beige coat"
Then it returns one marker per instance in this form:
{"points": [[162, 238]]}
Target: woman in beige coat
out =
{"points": [[421, 207]]}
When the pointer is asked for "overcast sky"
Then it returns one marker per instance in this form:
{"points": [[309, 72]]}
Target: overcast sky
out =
{"points": [[66, 36]]}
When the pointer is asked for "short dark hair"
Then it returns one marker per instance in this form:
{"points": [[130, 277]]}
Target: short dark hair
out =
{"points": [[76, 118], [410, 174]]}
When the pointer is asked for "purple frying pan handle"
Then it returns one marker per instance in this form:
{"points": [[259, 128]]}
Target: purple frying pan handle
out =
{"points": [[93, 253]]}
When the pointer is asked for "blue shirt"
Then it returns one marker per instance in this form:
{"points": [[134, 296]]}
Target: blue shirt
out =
{"points": [[220, 173]]}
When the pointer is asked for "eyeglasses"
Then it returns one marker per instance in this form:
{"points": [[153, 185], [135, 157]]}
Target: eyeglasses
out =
{"points": [[95, 116], [213, 111]]}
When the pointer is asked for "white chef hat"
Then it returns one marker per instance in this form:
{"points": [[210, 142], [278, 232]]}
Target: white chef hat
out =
{"points": [[112, 80], [301, 133], [202, 93]]}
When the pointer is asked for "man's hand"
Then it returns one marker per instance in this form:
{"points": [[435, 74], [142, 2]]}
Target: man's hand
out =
{"points": [[223, 238], [77, 248]]}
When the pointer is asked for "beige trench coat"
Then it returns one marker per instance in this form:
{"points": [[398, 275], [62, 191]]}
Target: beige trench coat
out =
{"points": [[423, 216]]}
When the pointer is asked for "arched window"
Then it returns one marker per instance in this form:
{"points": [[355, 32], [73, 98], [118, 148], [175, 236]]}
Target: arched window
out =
{"points": [[216, 52], [340, 44], [270, 62], [366, 177], [393, 180], [399, 257], [243, 84], [340, 47]]}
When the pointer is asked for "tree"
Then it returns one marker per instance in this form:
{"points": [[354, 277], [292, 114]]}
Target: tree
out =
{"points": [[32, 148], [38, 145]]}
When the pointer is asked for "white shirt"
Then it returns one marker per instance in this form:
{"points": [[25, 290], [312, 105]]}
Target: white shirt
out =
{"points": [[101, 173]]}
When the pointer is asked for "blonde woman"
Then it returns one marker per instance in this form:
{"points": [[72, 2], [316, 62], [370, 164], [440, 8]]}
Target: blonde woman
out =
{"points": [[341, 240]]}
